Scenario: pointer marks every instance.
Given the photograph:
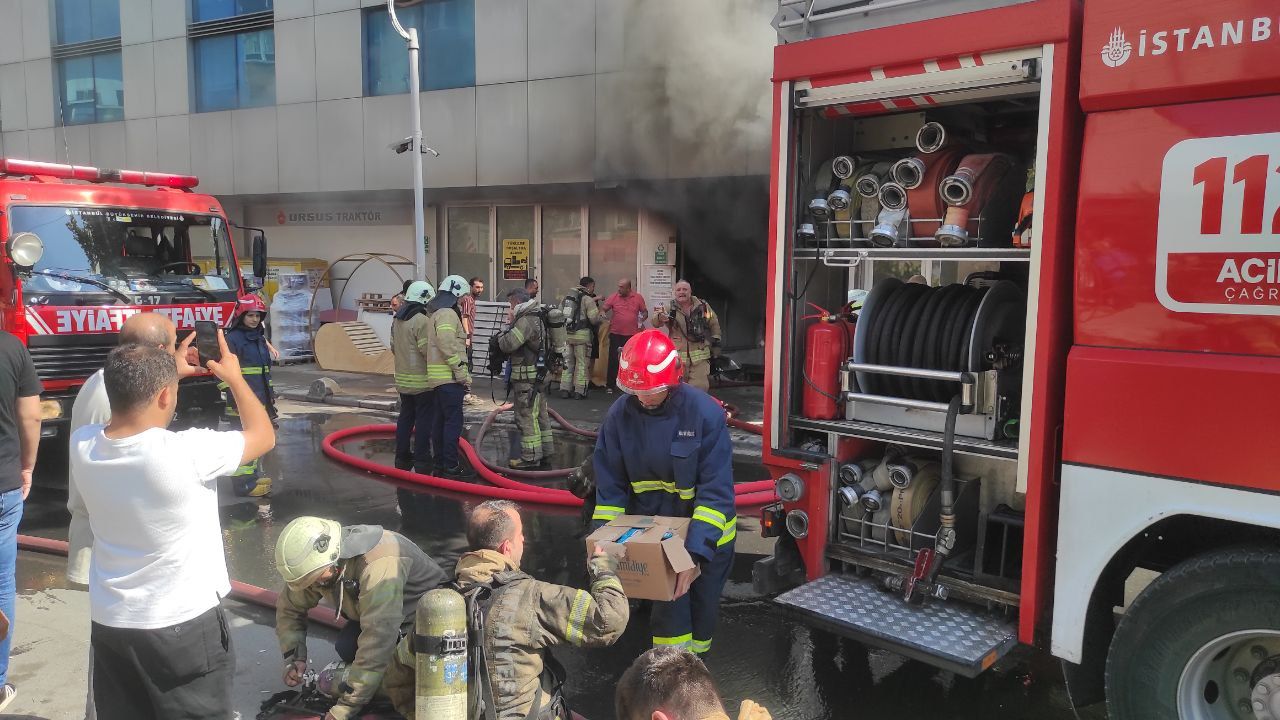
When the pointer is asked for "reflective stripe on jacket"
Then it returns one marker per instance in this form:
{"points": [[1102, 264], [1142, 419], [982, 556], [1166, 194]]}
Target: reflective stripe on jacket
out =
{"points": [[407, 337]]}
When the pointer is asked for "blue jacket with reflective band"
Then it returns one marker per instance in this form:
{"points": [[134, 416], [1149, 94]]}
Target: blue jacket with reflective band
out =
{"points": [[250, 346], [676, 461]]}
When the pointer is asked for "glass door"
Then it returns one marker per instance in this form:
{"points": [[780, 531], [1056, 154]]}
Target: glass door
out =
{"points": [[516, 248], [470, 241], [561, 262]]}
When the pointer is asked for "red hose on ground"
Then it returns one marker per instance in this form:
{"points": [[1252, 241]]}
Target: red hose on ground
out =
{"points": [[529, 474], [749, 494], [240, 591]]}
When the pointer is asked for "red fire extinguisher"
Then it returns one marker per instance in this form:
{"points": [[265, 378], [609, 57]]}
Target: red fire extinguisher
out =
{"points": [[827, 344]]}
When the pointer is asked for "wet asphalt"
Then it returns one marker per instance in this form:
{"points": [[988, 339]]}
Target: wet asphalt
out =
{"points": [[796, 672]]}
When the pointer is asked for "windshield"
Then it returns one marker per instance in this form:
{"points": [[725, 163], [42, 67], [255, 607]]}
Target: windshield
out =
{"points": [[128, 250]]}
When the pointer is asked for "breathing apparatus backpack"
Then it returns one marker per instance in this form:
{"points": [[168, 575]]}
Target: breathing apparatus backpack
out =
{"points": [[695, 326], [571, 308]]}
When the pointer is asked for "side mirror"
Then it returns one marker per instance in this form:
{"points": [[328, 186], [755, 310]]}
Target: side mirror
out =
{"points": [[25, 250], [260, 254]]}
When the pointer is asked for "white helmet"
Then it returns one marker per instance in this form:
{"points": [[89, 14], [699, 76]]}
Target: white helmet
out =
{"points": [[455, 284], [420, 291]]}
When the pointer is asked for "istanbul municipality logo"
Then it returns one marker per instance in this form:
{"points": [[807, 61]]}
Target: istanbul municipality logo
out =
{"points": [[1117, 50]]}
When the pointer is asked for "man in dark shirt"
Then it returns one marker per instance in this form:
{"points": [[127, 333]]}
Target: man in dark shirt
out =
{"points": [[20, 390]]}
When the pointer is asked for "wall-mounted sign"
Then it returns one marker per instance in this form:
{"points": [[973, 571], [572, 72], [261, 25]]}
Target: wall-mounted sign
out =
{"points": [[515, 258], [664, 254], [336, 214], [659, 283]]}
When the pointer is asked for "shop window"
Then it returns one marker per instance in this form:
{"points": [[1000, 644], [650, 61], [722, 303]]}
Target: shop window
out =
{"points": [[561, 264], [446, 34], [612, 246], [469, 243]]}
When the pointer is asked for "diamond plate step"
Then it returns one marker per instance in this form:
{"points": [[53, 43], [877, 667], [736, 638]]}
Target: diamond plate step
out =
{"points": [[946, 634]]}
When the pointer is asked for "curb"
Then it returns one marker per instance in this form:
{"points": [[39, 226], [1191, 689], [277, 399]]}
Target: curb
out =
{"points": [[342, 400]]}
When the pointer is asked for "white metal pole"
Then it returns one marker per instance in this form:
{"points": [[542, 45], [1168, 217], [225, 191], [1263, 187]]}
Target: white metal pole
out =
{"points": [[419, 221]]}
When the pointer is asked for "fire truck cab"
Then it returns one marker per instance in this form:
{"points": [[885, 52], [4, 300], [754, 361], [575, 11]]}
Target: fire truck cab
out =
{"points": [[1023, 339], [86, 248]]}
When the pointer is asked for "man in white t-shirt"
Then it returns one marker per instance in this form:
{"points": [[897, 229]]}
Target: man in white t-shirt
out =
{"points": [[93, 408], [161, 644]]}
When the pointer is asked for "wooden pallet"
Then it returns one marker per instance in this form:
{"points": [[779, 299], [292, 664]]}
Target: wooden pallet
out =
{"points": [[352, 347]]}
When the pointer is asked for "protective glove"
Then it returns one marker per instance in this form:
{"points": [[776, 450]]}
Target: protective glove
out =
{"points": [[602, 564], [752, 711]]}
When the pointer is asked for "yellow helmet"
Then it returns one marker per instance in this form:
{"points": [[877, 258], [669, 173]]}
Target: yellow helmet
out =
{"points": [[307, 546]]}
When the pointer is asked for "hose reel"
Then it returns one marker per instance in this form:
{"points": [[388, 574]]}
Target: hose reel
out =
{"points": [[916, 347]]}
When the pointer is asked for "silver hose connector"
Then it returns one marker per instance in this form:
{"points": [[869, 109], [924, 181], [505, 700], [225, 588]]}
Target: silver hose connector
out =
{"points": [[842, 167], [931, 137], [908, 172]]}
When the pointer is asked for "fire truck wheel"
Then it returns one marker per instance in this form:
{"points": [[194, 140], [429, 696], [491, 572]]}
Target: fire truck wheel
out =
{"points": [[1198, 640]]}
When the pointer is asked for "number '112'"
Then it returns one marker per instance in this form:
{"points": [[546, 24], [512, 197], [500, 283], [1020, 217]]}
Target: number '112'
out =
{"points": [[1253, 172]]}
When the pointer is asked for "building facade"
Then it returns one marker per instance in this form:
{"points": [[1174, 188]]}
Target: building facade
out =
{"points": [[550, 165]]}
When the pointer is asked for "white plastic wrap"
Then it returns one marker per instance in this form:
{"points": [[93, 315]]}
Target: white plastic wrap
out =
{"points": [[290, 335]]}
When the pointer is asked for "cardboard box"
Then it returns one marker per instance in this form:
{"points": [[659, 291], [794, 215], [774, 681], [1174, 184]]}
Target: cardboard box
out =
{"points": [[650, 552]]}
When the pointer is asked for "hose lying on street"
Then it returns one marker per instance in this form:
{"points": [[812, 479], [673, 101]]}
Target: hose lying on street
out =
{"points": [[240, 591], [749, 494]]}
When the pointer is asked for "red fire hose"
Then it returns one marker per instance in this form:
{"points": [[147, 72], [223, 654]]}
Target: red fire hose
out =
{"points": [[240, 591], [749, 494]]}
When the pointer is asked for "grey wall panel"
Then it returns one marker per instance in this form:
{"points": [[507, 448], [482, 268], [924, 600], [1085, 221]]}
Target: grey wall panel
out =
{"points": [[502, 41], [339, 60], [40, 93], [73, 145], [386, 120], [13, 97], [297, 148], [107, 145], [449, 126], [330, 6], [290, 9], [562, 38], [139, 81], [212, 156], [172, 80], [295, 61], [135, 21], [502, 134], [340, 126], [168, 19], [561, 129], [37, 31], [14, 144], [10, 32], [609, 35], [173, 144], [44, 144], [141, 146], [372, 3], [254, 137]]}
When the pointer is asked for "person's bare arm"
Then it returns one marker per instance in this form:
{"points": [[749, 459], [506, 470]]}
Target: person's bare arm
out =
{"points": [[259, 436], [28, 438]]}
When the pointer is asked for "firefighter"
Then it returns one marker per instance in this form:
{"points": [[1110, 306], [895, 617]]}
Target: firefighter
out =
{"points": [[635, 475], [448, 379], [374, 577], [523, 342], [582, 313], [409, 339], [695, 329], [249, 343], [518, 620]]}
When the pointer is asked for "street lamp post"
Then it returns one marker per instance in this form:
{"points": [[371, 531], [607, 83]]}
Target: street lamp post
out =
{"points": [[419, 222]]}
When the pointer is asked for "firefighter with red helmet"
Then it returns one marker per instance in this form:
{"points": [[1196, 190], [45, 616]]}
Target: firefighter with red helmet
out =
{"points": [[248, 341], [636, 475]]}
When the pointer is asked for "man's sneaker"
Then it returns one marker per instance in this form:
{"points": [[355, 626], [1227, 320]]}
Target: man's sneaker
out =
{"points": [[565, 394], [457, 472], [404, 463], [7, 694], [262, 489]]}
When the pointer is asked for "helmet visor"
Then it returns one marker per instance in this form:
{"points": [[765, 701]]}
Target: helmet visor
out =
{"points": [[309, 579], [645, 392]]}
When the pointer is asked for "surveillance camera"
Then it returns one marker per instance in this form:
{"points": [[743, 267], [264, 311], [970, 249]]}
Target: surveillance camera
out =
{"points": [[402, 146]]}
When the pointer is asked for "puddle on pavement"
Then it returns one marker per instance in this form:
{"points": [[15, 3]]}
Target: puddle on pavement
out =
{"points": [[759, 654]]}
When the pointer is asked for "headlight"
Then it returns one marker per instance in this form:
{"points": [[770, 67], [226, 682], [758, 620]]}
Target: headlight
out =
{"points": [[789, 487], [50, 409], [798, 524], [25, 249]]}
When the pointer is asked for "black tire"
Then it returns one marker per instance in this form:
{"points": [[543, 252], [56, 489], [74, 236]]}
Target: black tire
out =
{"points": [[1186, 608]]}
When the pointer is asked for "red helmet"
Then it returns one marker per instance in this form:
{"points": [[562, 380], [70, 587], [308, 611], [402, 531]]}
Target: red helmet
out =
{"points": [[250, 303], [648, 363]]}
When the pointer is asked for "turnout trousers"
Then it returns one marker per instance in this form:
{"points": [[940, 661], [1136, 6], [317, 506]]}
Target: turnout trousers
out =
{"points": [[576, 369], [689, 622], [532, 420]]}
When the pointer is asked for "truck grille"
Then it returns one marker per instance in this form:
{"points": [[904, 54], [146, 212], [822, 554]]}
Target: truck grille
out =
{"points": [[67, 361]]}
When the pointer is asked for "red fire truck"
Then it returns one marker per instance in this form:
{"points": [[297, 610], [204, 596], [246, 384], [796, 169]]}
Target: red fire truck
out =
{"points": [[87, 248], [1023, 339]]}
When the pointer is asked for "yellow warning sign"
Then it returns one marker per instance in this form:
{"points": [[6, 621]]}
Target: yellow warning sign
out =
{"points": [[515, 258]]}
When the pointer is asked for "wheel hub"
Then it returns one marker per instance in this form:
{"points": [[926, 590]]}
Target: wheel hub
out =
{"points": [[1266, 698]]}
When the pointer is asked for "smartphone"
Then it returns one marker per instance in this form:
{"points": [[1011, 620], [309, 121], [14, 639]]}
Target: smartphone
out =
{"points": [[207, 341]]}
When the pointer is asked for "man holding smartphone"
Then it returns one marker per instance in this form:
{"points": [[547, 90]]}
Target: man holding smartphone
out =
{"points": [[161, 644]]}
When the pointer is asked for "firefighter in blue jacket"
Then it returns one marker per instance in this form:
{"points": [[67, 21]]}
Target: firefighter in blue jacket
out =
{"points": [[636, 475], [249, 343]]}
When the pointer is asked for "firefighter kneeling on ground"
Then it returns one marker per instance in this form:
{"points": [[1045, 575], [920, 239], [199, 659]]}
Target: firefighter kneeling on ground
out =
{"points": [[374, 577], [635, 475], [523, 342], [695, 330], [515, 620]]}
